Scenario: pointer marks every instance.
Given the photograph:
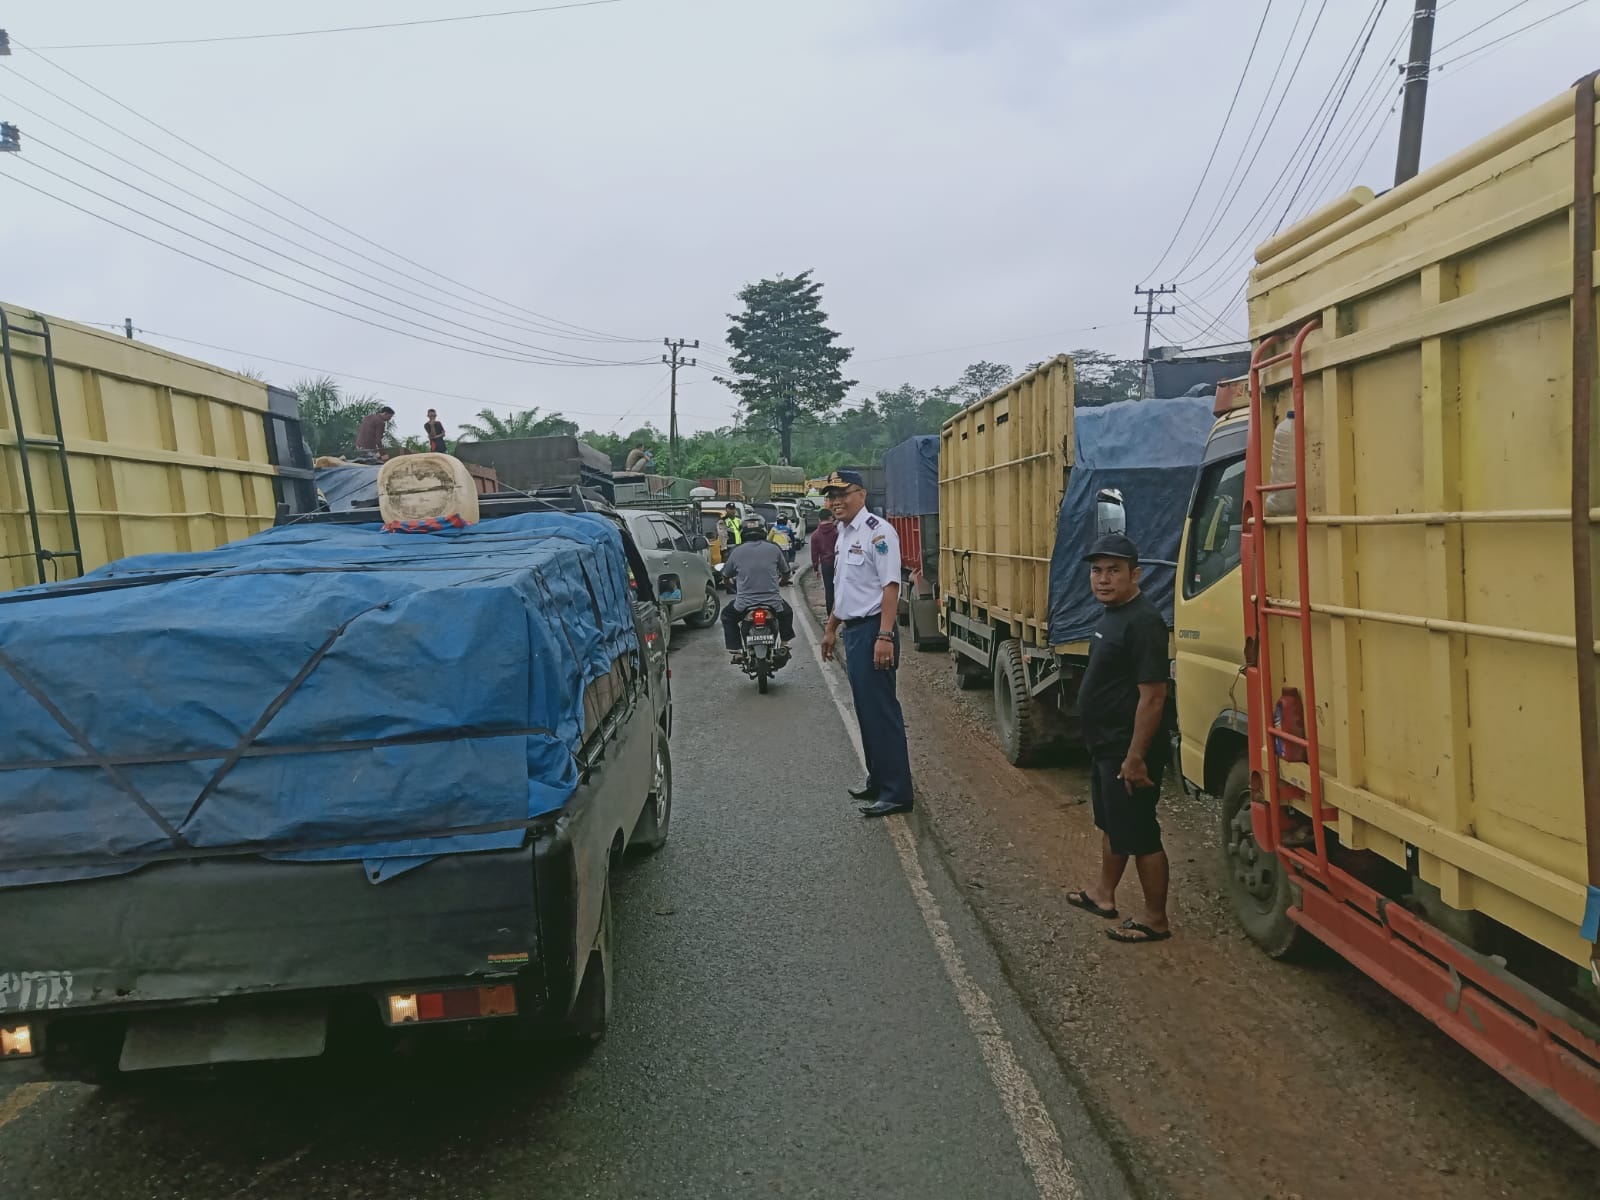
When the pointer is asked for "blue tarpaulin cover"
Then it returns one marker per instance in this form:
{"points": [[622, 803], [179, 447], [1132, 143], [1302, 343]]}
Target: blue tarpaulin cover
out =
{"points": [[1149, 450], [911, 477], [343, 486], [314, 692]]}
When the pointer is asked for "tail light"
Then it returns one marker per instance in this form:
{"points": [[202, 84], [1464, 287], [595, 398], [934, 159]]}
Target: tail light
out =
{"points": [[453, 1004], [759, 617], [16, 1041]]}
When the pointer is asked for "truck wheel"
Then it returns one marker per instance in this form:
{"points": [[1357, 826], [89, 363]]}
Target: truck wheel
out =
{"points": [[586, 1023], [1257, 881], [650, 834], [709, 611], [969, 675], [1021, 723]]}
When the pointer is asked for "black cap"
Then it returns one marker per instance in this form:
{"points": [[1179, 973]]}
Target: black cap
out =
{"points": [[840, 480], [1113, 545]]}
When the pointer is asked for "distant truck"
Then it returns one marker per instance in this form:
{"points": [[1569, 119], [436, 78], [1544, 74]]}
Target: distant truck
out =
{"points": [[911, 502], [764, 482], [340, 783], [111, 447], [1386, 628], [1026, 484]]}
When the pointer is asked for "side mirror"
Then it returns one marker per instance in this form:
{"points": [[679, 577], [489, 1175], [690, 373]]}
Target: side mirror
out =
{"points": [[1110, 516], [669, 589], [699, 542]]}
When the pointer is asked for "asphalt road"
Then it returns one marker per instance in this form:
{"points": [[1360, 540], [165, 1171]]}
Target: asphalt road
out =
{"points": [[805, 1008]]}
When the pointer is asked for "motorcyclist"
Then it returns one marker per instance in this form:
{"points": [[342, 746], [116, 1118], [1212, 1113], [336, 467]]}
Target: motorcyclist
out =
{"points": [[783, 534], [758, 568]]}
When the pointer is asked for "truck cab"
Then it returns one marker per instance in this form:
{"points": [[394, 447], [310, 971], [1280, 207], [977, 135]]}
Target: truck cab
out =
{"points": [[1208, 605]]}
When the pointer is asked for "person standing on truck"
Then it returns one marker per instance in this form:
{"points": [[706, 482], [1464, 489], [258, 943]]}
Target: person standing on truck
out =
{"points": [[867, 606], [758, 569], [369, 438], [824, 540], [434, 429], [1121, 702]]}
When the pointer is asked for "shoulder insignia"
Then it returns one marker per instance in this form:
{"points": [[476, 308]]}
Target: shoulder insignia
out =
{"points": [[872, 522]]}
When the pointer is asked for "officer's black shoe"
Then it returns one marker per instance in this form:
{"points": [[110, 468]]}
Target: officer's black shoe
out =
{"points": [[884, 808], [869, 792]]}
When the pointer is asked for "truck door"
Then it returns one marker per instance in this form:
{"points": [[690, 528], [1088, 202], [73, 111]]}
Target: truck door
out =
{"points": [[1208, 612]]}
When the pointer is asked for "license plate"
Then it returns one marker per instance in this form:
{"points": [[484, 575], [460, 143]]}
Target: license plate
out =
{"points": [[761, 639]]}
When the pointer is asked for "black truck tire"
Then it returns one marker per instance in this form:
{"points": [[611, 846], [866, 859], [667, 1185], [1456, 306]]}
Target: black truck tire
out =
{"points": [[1258, 885], [970, 677], [1018, 716], [650, 834]]}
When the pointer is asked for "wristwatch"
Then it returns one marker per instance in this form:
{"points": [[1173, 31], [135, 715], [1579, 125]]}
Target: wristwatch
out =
{"points": [[885, 637]]}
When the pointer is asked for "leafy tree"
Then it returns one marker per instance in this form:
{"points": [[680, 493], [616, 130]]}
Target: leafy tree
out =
{"points": [[526, 423], [784, 359], [982, 379], [1101, 378], [328, 419]]}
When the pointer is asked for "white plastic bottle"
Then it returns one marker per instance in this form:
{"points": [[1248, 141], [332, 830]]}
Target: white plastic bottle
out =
{"points": [[1281, 504]]}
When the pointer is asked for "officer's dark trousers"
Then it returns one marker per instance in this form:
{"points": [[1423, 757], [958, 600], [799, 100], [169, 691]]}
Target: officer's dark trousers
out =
{"points": [[883, 726]]}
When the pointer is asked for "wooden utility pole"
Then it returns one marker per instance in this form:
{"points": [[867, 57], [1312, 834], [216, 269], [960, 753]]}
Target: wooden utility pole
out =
{"points": [[1150, 312], [1418, 62], [674, 362]]}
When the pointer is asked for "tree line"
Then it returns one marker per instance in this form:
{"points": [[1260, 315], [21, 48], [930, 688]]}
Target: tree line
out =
{"points": [[787, 372]]}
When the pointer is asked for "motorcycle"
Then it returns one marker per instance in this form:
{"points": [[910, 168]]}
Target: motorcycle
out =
{"points": [[763, 653]]}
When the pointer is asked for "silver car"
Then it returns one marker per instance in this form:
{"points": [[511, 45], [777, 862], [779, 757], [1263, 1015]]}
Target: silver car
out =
{"points": [[668, 550]]}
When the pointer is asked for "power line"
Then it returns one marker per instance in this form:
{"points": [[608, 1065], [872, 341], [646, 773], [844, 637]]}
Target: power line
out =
{"points": [[985, 345], [566, 360], [486, 313], [561, 354], [1220, 210], [280, 291], [1506, 37], [1503, 13], [289, 199], [1215, 146], [299, 33]]}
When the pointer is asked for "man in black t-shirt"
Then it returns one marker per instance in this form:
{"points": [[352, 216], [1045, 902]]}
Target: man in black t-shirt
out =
{"points": [[1120, 704]]}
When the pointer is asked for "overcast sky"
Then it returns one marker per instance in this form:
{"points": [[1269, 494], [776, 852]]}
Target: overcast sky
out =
{"points": [[968, 178]]}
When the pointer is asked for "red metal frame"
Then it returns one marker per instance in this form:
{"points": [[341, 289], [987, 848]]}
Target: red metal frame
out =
{"points": [[910, 531], [1548, 1051]]}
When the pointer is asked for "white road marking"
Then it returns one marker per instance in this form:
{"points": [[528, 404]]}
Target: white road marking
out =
{"points": [[1037, 1136], [15, 1104]]}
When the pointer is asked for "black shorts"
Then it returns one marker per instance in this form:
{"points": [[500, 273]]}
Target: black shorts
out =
{"points": [[1128, 821]]}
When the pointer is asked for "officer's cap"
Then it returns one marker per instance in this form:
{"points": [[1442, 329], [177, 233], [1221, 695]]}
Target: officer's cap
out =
{"points": [[841, 481]]}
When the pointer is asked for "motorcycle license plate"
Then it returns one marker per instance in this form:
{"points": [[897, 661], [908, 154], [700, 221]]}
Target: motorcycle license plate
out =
{"points": [[761, 639]]}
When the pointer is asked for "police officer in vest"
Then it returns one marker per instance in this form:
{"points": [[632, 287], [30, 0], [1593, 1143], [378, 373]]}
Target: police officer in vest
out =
{"points": [[732, 530], [866, 604]]}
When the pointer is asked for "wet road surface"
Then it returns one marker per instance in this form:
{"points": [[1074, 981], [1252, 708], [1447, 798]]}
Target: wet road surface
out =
{"points": [[785, 1024]]}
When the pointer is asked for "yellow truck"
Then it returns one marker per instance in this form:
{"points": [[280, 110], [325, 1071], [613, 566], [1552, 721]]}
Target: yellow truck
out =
{"points": [[1027, 481], [1408, 761], [110, 448]]}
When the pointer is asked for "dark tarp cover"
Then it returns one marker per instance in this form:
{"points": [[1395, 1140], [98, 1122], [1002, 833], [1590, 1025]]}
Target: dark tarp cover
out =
{"points": [[911, 477], [1149, 450], [344, 487], [443, 712]]}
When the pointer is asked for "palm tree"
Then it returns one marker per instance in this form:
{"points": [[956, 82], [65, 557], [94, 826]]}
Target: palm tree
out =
{"points": [[527, 423], [328, 419]]}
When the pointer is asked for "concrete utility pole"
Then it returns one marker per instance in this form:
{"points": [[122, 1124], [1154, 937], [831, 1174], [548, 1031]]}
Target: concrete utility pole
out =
{"points": [[1150, 312], [1418, 63], [674, 362], [10, 139], [127, 327]]}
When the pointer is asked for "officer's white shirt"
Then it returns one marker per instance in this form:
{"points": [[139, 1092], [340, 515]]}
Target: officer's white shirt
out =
{"points": [[868, 560]]}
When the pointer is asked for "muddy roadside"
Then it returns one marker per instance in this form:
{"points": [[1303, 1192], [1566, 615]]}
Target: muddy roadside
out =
{"points": [[1221, 1074]]}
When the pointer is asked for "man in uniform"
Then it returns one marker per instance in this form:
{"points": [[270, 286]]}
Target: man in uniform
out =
{"points": [[1121, 702], [866, 604], [732, 530]]}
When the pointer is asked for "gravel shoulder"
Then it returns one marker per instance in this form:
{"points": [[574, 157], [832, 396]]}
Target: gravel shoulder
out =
{"points": [[1219, 1073]]}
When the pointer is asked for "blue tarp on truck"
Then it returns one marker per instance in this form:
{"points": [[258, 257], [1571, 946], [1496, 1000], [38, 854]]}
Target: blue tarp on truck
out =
{"points": [[911, 477], [314, 692], [1149, 450]]}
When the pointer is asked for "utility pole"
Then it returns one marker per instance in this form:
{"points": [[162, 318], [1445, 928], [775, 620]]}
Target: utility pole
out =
{"points": [[127, 327], [10, 139], [1418, 63], [1150, 312], [674, 362]]}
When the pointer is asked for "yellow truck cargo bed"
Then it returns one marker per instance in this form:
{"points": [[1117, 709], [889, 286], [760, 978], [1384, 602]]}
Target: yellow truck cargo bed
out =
{"points": [[163, 452], [1438, 418]]}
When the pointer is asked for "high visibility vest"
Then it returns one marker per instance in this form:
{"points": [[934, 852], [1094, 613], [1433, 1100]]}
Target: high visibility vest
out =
{"points": [[735, 529]]}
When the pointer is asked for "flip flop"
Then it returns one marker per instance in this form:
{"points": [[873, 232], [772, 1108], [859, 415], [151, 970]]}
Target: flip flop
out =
{"points": [[1080, 899], [1145, 933]]}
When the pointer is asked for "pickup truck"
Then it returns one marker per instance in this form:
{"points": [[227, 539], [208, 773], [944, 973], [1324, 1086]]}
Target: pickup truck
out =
{"points": [[385, 839]]}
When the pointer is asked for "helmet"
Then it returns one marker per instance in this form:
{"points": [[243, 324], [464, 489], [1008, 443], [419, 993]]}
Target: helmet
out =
{"points": [[754, 524]]}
